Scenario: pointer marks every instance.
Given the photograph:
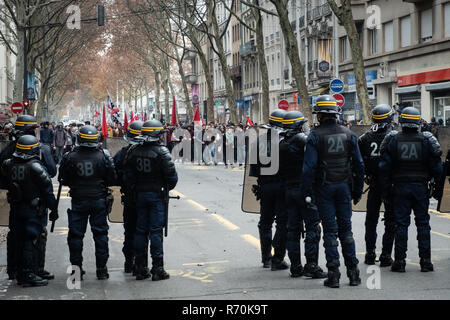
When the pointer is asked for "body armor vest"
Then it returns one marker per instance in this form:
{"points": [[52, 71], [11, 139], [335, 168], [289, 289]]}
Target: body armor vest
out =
{"points": [[370, 150], [21, 175], [291, 157], [334, 153], [410, 159], [147, 161]]}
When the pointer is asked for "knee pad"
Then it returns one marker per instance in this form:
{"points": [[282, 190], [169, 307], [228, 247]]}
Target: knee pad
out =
{"points": [[348, 240], [330, 243]]}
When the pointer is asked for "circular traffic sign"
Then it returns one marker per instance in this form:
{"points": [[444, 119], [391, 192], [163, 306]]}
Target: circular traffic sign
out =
{"points": [[283, 104], [339, 99], [336, 85], [17, 107]]}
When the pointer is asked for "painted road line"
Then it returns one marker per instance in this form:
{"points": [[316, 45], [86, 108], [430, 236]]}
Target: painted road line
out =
{"points": [[226, 223], [197, 205], [176, 193], [440, 214], [441, 234], [205, 262], [252, 240]]}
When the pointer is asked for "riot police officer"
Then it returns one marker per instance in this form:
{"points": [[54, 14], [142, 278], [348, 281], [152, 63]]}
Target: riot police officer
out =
{"points": [[88, 170], [369, 145], [331, 155], [271, 192], [129, 204], [150, 172], [409, 160], [26, 125], [30, 192], [292, 148]]}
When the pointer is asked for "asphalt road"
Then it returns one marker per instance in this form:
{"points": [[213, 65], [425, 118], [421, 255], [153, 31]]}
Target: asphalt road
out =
{"points": [[212, 252]]}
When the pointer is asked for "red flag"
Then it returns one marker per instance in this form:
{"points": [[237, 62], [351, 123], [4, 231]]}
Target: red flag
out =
{"points": [[125, 123], [104, 127], [131, 117], [197, 120], [249, 122], [174, 113]]}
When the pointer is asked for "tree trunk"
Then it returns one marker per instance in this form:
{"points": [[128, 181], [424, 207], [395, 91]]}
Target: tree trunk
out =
{"points": [[157, 94], [262, 63], [189, 110], [345, 16], [223, 63], [294, 56]]}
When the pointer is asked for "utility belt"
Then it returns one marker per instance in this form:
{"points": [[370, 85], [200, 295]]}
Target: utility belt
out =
{"points": [[149, 187], [84, 194]]}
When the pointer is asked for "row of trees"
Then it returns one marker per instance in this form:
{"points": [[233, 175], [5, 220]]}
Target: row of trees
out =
{"points": [[144, 47]]}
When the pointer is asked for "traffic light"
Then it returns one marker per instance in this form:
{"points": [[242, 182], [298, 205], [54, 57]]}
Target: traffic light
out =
{"points": [[100, 15], [26, 104]]}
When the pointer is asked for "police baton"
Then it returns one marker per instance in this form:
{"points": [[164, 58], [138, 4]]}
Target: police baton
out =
{"points": [[166, 222], [57, 204]]}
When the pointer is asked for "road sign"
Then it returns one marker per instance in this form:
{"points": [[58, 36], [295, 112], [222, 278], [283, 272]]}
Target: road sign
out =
{"points": [[17, 107], [336, 85], [283, 104], [339, 99]]}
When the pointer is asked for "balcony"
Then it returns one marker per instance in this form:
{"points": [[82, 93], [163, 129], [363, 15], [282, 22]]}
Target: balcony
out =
{"points": [[247, 48], [190, 54], [235, 71], [326, 9], [190, 77]]}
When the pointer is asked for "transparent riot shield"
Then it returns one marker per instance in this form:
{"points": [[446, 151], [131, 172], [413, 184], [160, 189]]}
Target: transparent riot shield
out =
{"points": [[249, 203], [362, 204], [4, 209]]}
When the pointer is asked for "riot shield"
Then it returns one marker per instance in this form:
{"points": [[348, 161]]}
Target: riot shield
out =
{"points": [[249, 203], [116, 214], [444, 202], [362, 204], [4, 209]]}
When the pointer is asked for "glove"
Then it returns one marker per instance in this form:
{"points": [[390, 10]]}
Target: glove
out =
{"points": [[356, 196], [53, 216], [256, 189]]}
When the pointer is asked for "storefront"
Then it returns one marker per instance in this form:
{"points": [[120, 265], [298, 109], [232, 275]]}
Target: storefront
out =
{"points": [[409, 97], [440, 94]]}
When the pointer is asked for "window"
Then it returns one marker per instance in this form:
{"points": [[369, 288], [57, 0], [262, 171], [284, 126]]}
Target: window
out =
{"points": [[272, 82], [447, 19], [405, 34], [373, 48], [343, 48], [267, 38], [277, 34], [278, 80], [426, 25], [388, 36], [271, 36]]}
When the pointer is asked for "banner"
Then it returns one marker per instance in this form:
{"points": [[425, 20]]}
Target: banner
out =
{"points": [[324, 58], [195, 95]]}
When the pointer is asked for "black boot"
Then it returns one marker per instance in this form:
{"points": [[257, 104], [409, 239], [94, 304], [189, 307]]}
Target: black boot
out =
{"points": [[385, 260], [426, 265], [312, 270], [158, 272], [333, 278], [296, 270], [102, 273], [129, 265], [370, 258], [398, 265], [353, 275], [44, 274], [142, 272], [82, 272], [11, 275], [279, 265], [266, 261], [31, 280]]}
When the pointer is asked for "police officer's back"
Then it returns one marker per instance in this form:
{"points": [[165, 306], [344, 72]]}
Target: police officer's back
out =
{"points": [[30, 193], [88, 170], [150, 172], [333, 174], [370, 144], [129, 203], [409, 160]]}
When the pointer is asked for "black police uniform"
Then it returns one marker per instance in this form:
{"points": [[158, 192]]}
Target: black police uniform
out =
{"points": [[129, 202], [369, 145], [292, 148], [25, 125], [333, 175], [409, 160], [272, 208], [150, 172], [30, 193], [88, 170]]}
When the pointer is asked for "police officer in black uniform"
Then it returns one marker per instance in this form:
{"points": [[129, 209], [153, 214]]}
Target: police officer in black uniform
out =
{"points": [[331, 156], [270, 190], [26, 125], [292, 148], [409, 160], [150, 172], [369, 145], [30, 193], [88, 170], [129, 204]]}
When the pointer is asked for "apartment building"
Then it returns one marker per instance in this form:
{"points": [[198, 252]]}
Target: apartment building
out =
{"points": [[7, 67]]}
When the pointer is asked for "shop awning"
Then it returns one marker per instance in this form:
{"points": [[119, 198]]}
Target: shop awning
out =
{"points": [[438, 86], [405, 90]]}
